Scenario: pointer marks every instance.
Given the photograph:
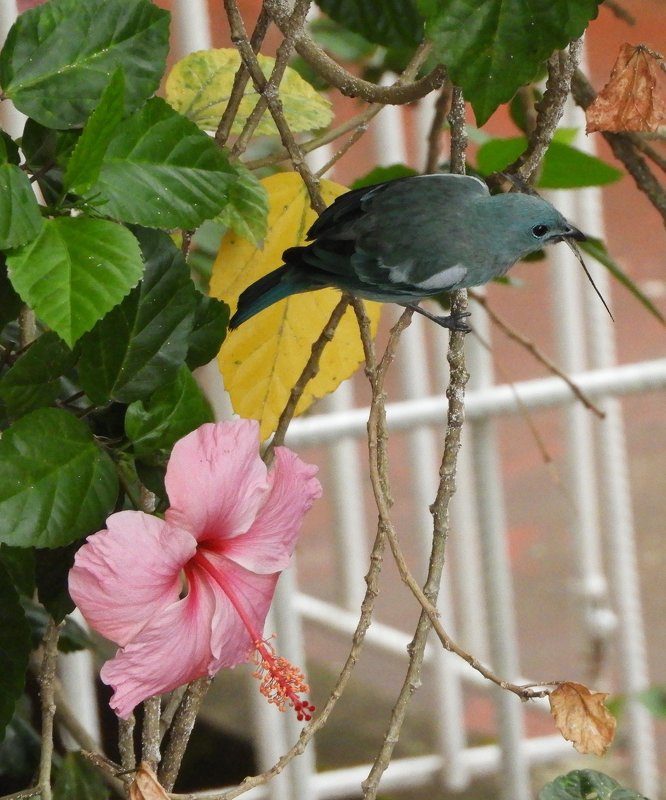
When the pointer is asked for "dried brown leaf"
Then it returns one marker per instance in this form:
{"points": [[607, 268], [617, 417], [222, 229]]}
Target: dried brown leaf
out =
{"points": [[582, 717], [631, 100], [145, 785]]}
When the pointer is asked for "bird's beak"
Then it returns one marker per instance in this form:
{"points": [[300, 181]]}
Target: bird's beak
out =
{"points": [[574, 233]]}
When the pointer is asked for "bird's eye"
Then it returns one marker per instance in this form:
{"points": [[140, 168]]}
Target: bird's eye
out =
{"points": [[540, 230]]}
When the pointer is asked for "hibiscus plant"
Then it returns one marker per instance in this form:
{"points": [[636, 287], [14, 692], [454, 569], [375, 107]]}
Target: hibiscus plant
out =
{"points": [[121, 491]]}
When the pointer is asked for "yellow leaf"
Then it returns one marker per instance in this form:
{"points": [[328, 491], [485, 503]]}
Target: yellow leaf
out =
{"points": [[582, 717], [263, 359], [199, 86]]}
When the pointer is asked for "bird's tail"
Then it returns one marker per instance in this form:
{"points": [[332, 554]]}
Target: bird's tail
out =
{"points": [[261, 294]]}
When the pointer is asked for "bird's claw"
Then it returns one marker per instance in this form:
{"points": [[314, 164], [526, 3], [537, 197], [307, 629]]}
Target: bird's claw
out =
{"points": [[455, 322]]}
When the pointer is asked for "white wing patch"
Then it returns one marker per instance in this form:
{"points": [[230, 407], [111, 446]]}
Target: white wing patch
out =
{"points": [[439, 282]]}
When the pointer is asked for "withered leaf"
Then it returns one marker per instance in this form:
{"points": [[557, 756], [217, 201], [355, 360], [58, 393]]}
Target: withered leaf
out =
{"points": [[582, 717], [631, 100], [145, 785]]}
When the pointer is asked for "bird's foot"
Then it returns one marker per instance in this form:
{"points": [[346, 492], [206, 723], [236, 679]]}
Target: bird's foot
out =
{"points": [[454, 322]]}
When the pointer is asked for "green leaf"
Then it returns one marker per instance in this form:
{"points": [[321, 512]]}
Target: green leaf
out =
{"points": [[10, 302], [9, 152], [654, 699], [392, 23], [52, 568], [20, 564], [34, 379], [46, 152], [340, 42], [15, 648], [77, 779], [597, 249], [381, 174], [56, 485], [161, 171], [75, 271], [20, 220], [169, 414], [72, 636], [587, 784], [199, 86], [492, 47], [564, 167], [211, 317], [58, 57], [19, 752], [142, 343], [84, 166], [246, 212]]}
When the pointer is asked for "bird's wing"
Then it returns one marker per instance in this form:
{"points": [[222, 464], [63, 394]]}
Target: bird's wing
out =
{"points": [[410, 233]]}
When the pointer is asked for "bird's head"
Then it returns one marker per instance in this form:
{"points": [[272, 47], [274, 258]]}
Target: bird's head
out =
{"points": [[527, 224]]}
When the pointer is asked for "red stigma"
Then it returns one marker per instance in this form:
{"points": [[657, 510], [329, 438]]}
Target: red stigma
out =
{"points": [[281, 681]]}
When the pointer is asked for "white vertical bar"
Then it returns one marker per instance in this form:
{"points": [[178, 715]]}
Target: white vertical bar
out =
{"points": [[348, 486], [503, 635], [618, 518], [11, 120], [191, 27], [423, 470], [275, 731]]}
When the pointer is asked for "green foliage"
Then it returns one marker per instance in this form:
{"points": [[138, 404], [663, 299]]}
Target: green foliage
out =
{"points": [[141, 344], [58, 57], [492, 47], [77, 779], [56, 485], [160, 170], [392, 23], [14, 648], [74, 271], [171, 413], [564, 167], [587, 784], [34, 379]]}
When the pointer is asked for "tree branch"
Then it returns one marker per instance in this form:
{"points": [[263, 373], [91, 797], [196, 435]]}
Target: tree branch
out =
{"points": [[348, 84]]}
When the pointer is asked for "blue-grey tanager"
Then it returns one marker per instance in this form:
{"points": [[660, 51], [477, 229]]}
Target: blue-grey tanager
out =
{"points": [[410, 238]]}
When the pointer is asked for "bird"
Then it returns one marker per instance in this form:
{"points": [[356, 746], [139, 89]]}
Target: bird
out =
{"points": [[414, 237]]}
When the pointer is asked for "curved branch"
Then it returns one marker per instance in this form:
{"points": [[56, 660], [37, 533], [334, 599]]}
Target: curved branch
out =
{"points": [[348, 84]]}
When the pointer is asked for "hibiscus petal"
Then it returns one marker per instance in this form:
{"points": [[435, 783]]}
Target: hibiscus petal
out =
{"points": [[193, 637], [216, 480], [269, 543], [128, 573], [250, 596]]}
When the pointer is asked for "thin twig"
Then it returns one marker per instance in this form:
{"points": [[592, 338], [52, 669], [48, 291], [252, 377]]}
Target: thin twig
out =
{"points": [[180, 731], [561, 67], [536, 352], [269, 91], [27, 326], [240, 82], [619, 11], [126, 742], [310, 369], [351, 85], [150, 732], [367, 606], [47, 678], [442, 106]]}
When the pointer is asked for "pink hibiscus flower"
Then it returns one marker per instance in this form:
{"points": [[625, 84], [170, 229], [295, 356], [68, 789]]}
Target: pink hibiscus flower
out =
{"points": [[187, 595]]}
